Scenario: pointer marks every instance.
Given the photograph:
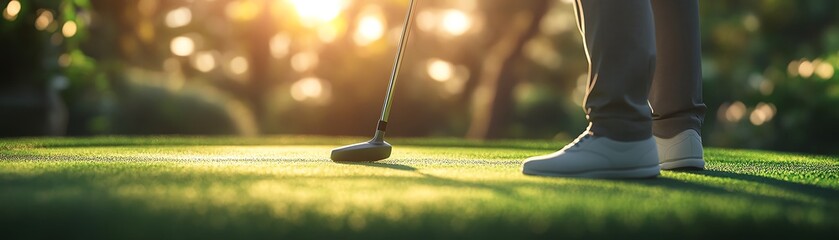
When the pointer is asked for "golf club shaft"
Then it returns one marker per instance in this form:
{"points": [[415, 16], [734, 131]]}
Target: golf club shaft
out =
{"points": [[400, 52]]}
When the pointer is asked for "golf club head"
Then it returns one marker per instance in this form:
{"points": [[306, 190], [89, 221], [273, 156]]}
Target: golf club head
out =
{"points": [[362, 152]]}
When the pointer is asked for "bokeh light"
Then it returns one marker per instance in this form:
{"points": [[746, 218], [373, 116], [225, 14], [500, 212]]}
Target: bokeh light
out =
{"points": [[440, 70], [44, 19], [12, 10], [371, 26], [306, 89], [792, 68], [456, 22], [146, 30], [426, 20], [69, 29], [457, 83], [179, 17], [279, 45], [182, 46], [239, 65], [824, 70], [762, 113], [805, 69], [766, 88], [204, 61], [449, 22], [733, 112], [64, 60], [751, 23], [304, 61]]}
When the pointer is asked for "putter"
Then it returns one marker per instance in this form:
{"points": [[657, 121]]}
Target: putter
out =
{"points": [[377, 149]]}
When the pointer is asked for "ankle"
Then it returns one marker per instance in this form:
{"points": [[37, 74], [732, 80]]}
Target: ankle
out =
{"points": [[621, 130]]}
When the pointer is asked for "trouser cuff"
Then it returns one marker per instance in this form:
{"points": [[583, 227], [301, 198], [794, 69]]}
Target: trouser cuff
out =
{"points": [[668, 128]]}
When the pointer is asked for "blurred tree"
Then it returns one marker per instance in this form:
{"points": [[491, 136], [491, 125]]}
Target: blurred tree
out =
{"points": [[476, 68], [493, 99], [769, 68], [38, 39]]}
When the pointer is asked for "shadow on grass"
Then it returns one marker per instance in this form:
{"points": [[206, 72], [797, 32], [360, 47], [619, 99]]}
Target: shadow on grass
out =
{"points": [[828, 195], [436, 180], [382, 165], [811, 191], [113, 216], [805, 189]]}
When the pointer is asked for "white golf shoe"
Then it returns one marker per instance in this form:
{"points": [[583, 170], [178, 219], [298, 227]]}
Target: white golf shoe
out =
{"points": [[598, 157], [683, 151]]}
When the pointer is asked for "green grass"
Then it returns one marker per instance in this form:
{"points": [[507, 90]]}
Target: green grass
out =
{"points": [[248, 188]]}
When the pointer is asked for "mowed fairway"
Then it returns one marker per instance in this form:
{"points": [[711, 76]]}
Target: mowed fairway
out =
{"points": [[286, 187]]}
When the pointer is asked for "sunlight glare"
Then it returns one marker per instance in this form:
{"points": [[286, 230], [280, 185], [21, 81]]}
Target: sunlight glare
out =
{"points": [[328, 33], [313, 12], [241, 11]]}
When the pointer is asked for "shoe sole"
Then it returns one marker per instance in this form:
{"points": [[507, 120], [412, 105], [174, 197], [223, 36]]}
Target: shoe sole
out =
{"points": [[642, 172], [684, 164]]}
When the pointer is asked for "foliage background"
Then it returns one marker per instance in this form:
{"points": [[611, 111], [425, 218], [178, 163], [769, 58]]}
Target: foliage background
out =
{"points": [[477, 69]]}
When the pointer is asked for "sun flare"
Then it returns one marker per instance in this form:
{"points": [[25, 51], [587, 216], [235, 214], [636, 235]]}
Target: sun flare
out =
{"points": [[314, 12]]}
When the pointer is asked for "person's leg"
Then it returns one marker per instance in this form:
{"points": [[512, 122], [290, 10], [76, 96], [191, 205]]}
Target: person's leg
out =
{"points": [[619, 40], [620, 46], [676, 93]]}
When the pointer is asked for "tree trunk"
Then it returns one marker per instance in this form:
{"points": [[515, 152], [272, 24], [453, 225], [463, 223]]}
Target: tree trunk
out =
{"points": [[492, 102], [260, 36]]}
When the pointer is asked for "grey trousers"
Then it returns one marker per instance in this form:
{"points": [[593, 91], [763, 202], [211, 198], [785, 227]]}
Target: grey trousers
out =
{"points": [[644, 67]]}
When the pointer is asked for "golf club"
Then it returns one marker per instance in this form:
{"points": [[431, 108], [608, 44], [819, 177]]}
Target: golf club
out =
{"points": [[377, 149]]}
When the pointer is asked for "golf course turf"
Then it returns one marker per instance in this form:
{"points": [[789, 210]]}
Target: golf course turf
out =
{"points": [[286, 187]]}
